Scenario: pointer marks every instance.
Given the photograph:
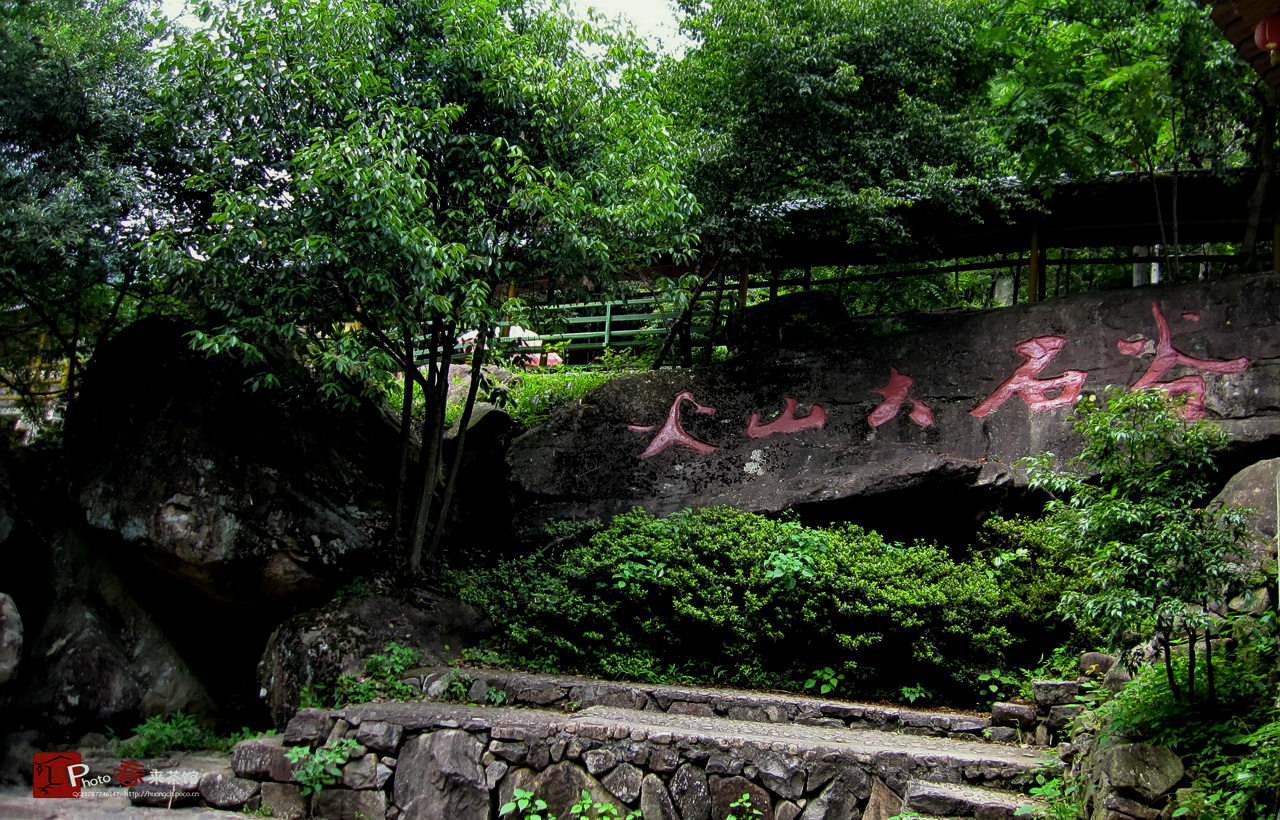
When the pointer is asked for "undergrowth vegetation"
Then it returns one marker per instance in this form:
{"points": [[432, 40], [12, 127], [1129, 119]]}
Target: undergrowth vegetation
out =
{"points": [[721, 595], [179, 732], [1230, 749]]}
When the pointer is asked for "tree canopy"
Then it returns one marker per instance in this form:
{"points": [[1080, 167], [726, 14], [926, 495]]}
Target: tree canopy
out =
{"points": [[76, 157], [383, 175]]}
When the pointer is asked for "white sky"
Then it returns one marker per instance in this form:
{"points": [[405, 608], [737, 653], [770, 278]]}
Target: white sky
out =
{"points": [[654, 19]]}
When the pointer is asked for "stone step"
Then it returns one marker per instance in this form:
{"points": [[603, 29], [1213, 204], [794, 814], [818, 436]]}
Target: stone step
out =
{"points": [[898, 758], [571, 693], [789, 757], [422, 756], [952, 800]]}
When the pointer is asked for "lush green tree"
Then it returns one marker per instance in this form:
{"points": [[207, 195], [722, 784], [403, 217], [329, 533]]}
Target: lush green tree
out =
{"points": [[790, 104], [76, 187], [382, 175], [1160, 560], [847, 109], [1094, 86]]}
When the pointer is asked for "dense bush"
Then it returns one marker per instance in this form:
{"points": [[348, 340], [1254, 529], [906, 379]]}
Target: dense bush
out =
{"points": [[1231, 749], [723, 595]]}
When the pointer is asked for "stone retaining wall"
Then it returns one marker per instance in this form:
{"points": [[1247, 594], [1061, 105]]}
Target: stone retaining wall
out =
{"points": [[420, 761]]}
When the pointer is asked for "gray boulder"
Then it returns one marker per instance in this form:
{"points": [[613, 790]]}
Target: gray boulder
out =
{"points": [[560, 785], [10, 639], [100, 659], [440, 775], [312, 649], [1149, 771], [1255, 487]]}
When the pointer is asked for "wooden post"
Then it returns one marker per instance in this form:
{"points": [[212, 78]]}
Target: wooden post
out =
{"points": [[1035, 270], [1275, 242], [743, 279], [511, 294]]}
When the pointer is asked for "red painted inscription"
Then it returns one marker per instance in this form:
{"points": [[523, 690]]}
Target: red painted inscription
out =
{"points": [[1038, 352], [672, 432], [895, 393], [786, 422], [1168, 357]]}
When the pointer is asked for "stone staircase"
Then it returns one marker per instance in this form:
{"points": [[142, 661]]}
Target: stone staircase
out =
{"points": [[670, 752]]}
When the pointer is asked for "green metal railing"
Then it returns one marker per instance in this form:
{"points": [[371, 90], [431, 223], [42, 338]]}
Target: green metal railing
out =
{"points": [[600, 325]]}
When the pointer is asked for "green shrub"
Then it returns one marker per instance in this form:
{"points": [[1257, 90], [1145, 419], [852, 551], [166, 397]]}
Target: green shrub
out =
{"points": [[160, 735], [316, 768], [1232, 750], [737, 597], [537, 393], [381, 681]]}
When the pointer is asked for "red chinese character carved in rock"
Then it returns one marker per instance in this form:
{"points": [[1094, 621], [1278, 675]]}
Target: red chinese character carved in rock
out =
{"points": [[895, 393], [673, 433], [786, 422], [1038, 352], [1167, 357]]}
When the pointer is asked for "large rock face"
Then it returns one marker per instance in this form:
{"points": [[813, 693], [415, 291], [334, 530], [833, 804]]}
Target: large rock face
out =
{"points": [[942, 407], [243, 496]]}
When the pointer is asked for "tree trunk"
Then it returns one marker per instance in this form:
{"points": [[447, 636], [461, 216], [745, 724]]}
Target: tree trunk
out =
{"points": [[1265, 158], [1168, 660], [685, 318], [1191, 666], [436, 394], [713, 324], [1208, 666], [406, 438], [451, 482]]}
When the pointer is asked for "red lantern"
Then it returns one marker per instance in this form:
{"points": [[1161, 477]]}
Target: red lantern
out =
{"points": [[1267, 36]]}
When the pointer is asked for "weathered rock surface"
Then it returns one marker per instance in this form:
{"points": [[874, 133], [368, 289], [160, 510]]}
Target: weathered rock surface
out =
{"points": [[561, 785], [100, 659], [1255, 487], [283, 800], [10, 639], [312, 649], [440, 775], [1150, 771], [976, 391], [467, 760], [224, 790], [341, 804], [244, 496], [951, 800], [655, 800], [530, 689]]}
